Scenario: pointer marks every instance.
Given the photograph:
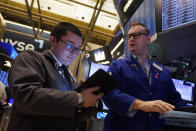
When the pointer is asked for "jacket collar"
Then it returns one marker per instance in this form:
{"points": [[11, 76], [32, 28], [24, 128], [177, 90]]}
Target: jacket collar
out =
{"points": [[133, 63], [59, 63], [49, 56]]}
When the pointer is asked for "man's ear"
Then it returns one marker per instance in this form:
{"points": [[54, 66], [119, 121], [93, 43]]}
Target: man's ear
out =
{"points": [[53, 40], [53, 43]]}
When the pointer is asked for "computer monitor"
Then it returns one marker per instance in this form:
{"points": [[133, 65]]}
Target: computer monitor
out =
{"points": [[186, 89], [94, 67], [174, 13], [103, 113]]}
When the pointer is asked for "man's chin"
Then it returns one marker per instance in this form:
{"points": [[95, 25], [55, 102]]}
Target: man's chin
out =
{"points": [[133, 52]]}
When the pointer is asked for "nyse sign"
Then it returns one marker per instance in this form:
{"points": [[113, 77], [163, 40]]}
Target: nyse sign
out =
{"points": [[21, 42], [19, 45]]}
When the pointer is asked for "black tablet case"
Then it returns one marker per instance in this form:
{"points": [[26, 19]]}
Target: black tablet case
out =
{"points": [[99, 78]]}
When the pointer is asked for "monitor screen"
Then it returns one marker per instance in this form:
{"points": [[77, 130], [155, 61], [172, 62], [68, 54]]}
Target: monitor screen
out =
{"points": [[185, 88], [94, 67], [177, 12], [102, 115], [11, 100]]}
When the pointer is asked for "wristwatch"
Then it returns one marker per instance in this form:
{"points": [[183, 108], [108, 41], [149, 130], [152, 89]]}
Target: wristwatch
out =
{"points": [[80, 100]]}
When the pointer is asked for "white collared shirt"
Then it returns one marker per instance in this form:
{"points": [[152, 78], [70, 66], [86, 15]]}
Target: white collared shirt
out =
{"points": [[145, 66], [58, 62]]}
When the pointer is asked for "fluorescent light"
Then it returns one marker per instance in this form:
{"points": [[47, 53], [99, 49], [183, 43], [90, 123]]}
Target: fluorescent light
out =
{"points": [[105, 62], [127, 5], [29, 27], [119, 43], [118, 53]]}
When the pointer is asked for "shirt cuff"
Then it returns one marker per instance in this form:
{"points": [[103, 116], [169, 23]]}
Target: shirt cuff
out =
{"points": [[131, 112]]}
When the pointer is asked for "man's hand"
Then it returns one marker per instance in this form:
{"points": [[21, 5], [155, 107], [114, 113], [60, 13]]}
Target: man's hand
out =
{"points": [[89, 99], [152, 106]]}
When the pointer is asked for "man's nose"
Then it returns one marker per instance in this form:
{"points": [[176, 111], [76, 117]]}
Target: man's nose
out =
{"points": [[131, 38]]}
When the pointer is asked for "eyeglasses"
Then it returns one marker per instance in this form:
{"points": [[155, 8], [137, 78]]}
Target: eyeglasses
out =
{"points": [[71, 47], [136, 35]]}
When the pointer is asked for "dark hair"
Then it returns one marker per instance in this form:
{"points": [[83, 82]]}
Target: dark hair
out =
{"points": [[61, 30], [138, 23]]}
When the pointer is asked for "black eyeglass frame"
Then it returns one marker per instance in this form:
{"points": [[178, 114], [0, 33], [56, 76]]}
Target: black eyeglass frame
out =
{"points": [[136, 35], [72, 47]]}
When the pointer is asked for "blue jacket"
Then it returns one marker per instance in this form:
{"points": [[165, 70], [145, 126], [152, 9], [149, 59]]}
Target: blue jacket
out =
{"points": [[134, 84]]}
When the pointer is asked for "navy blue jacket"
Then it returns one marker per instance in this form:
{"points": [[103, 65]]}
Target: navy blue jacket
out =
{"points": [[134, 84]]}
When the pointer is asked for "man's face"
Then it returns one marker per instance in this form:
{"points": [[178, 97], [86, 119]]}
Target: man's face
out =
{"points": [[138, 40], [67, 48]]}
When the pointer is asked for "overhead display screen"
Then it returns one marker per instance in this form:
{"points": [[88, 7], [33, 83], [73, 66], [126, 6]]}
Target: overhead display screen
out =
{"points": [[177, 12]]}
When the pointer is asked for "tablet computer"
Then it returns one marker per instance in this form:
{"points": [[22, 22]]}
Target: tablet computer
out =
{"points": [[100, 78]]}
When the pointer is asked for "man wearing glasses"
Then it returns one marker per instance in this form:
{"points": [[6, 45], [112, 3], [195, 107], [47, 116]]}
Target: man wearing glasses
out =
{"points": [[42, 86], [146, 89]]}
